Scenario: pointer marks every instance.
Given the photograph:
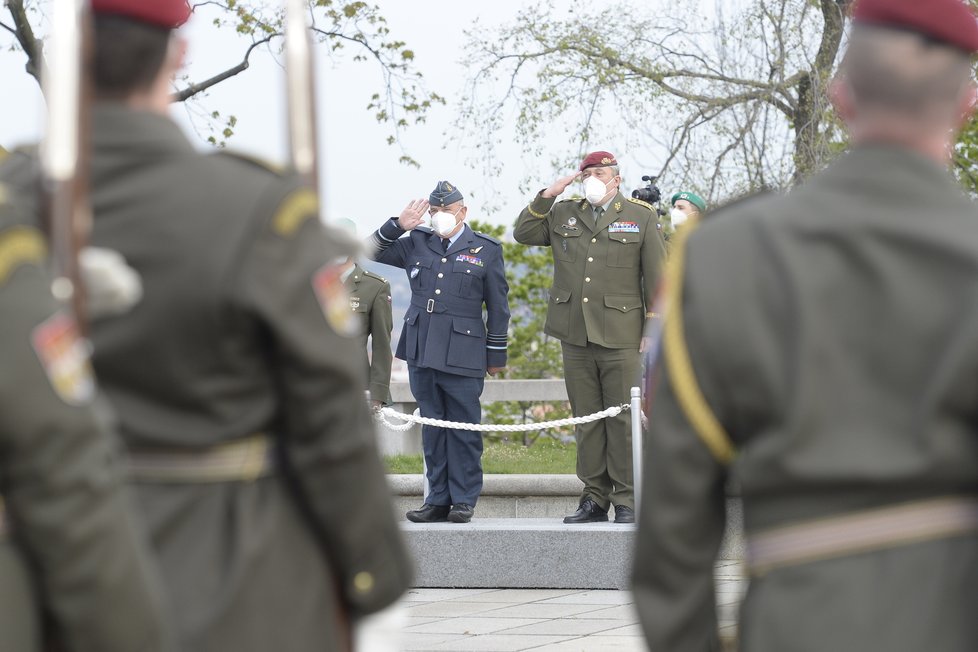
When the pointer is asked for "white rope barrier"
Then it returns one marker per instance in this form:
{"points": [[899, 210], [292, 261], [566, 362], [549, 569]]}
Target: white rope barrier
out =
{"points": [[408, 420]]}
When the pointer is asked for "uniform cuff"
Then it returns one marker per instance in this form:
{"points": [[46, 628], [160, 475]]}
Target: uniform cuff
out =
{"points": [[541, 206], [391, 230]]}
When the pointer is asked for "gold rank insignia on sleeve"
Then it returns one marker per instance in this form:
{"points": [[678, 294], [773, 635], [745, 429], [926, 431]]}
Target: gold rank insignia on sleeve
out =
{"points": [[19, 246], [334, 300], [297, 208]]}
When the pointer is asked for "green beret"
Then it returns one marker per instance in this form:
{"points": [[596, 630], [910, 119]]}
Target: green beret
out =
{"points": [[692, 198]]}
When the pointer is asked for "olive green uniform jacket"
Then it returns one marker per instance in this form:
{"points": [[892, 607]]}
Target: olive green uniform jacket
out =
{"points": [[605, 274], [370, 300], [243, 329], [832, 333], [71, 553]]}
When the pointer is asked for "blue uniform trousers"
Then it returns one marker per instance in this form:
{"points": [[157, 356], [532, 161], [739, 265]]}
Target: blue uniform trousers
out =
{"points": [[454, 457]]}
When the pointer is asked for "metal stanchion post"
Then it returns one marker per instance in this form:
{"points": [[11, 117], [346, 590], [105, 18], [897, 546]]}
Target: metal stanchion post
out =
{"points": [[425, 487], [637, 444]]}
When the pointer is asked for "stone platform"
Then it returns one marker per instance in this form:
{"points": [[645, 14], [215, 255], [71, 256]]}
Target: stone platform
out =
{"points": [[521, 553]]}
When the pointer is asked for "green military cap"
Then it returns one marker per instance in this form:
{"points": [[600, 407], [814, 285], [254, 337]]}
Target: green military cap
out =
{"points": [[692, 198]]}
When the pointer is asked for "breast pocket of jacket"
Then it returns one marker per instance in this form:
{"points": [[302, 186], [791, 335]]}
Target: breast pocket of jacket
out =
{"points": [[467, 345], [624, 249], [565, 242], [419, 273], [470, 277]]}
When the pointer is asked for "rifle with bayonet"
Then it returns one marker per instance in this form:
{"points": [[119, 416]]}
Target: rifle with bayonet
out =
{"points": [[65, 149]]}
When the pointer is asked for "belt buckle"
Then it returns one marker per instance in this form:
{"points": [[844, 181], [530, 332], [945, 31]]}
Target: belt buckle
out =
{"points": [[431, 305]]}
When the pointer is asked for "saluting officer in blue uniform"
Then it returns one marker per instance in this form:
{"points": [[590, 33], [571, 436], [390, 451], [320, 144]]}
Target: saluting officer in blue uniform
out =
{"points": [[447, 344]]}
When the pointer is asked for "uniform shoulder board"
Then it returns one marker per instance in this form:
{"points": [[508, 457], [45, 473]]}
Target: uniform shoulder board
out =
{"points": [[487, 237], [572, 199], [642, 203], [423, 229], [380, 278], [268, 166]]}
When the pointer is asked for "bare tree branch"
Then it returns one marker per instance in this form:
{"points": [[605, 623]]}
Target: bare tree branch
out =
{"points": [[194, 89], [25, 36]]}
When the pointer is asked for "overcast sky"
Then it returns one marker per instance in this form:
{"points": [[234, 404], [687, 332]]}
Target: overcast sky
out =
{"points": [[361, 176]]}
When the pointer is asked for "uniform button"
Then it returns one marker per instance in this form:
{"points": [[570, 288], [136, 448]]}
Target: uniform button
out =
{"points": [[363, 582], [590, 259], [594, 239], [440, 275], [437, 291], [468, 271], [444, 260], [587, 279], [468, 332], [585, 299], [624, 239]]}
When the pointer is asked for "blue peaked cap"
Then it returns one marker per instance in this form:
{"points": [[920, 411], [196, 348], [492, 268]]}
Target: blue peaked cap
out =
{"points": [[444, 194]]}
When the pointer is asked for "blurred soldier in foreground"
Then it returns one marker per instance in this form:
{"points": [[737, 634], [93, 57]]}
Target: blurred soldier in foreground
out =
{"points": [[820, 352], [237, 382], [68, 545]]}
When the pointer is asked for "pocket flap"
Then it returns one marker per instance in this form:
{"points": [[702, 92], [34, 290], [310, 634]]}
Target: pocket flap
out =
{"points": [[624, 303], [411, 316], [625, 238], [559, 295], [472, 327]]}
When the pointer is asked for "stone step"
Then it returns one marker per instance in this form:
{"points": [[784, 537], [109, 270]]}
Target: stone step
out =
{"points": [[541, 498], [521, 553]]}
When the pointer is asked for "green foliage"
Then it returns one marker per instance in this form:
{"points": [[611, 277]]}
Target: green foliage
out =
{"points": [[360, 29], [548, 456], [532, 353], [966, 158]]}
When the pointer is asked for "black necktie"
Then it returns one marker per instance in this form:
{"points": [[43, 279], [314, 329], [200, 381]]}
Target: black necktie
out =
{"points": [[444, 244]]}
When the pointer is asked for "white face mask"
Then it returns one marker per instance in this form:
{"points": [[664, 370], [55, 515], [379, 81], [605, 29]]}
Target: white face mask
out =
{"points": [[595, 190], [678, 217], [444, 223]]}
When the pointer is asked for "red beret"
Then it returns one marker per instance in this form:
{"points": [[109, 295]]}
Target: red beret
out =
{"points": [[947, 21], [164, 13], [597, 160]]}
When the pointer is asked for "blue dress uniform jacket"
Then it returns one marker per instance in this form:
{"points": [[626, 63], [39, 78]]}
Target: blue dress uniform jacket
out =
{"points": [[444, 327]]}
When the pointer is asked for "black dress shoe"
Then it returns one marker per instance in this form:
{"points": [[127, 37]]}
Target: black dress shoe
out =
{"points": [[429, 514], [461, 513], [588, 512], [624, 514]]}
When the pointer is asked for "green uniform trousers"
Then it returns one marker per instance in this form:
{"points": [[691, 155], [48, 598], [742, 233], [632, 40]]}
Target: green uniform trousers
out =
{"points": [[598, 378]]}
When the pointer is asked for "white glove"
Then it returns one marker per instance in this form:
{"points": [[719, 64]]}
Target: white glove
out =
{"points": [[112, 287]]}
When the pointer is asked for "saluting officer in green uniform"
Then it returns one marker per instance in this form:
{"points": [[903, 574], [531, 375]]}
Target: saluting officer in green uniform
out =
{"points": [[607, 255], [237, 379], [69, 547], [370, 300], [820, 351]]}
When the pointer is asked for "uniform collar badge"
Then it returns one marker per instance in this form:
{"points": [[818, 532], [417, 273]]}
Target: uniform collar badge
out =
{"points": [[617, 205]]}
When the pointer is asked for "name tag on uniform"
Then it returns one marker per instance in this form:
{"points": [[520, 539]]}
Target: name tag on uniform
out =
{"points": [[472, 260], [623, 227]]}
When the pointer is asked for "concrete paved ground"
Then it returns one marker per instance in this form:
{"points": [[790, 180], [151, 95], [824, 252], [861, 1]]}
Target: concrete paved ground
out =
{"points": [[543, 620]]}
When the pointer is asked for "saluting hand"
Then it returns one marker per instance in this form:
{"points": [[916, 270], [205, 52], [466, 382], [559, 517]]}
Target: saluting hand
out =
{"points": [[413, 214], [560, 185]]}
